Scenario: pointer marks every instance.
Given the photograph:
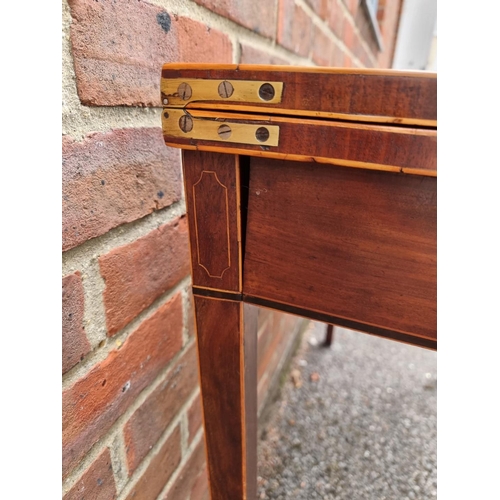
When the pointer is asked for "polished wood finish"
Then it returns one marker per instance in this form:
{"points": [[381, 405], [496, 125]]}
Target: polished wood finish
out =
{"points": [[228, 373], [337, 223], [339, 321], [211, 182], [378, 147], [227, 345], [250, 317], [357, 244], [383, 96]]}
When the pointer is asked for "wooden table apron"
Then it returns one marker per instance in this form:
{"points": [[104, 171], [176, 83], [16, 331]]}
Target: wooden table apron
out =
{"points": [[344, 232]]}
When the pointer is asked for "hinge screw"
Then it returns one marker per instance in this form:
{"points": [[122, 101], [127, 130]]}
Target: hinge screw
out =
{"points": [[225, 89], [262, 134], [186, 123], [224, 131], [185, 91], [266, 92]]}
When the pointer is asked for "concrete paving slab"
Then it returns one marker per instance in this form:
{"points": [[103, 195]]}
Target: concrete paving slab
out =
{"points": [[356, 420]]}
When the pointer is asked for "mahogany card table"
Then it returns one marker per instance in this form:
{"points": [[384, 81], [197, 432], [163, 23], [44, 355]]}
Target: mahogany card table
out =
{"points": [[310, 191]]}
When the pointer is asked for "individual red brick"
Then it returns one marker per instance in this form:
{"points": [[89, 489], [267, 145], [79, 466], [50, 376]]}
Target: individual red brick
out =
{"points": [[186, 480], [95, 401], [348, 35], [256, 16], [195, 418], [138, 273], [74, 342], [389, 29], [265, 339], [159, 469], [363, 56], [148, 422], [273, 343], [337, 19], [96, 483], [366, 31], [381, 10], [251, 55], [200, 488], [120, 47], [281, 344], [262, 316], [357, 47], [191, 327], [262, 391], [273, 338], [294, 28], [337, 57], [115, 177], [353, 6], [291, 322], [320, 7], [322, 48]]}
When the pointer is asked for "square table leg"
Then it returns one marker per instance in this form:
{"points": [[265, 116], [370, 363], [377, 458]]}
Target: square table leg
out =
{"points": [[226, 328], [227, 350]]}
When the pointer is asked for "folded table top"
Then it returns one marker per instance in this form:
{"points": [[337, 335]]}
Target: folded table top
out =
{"points": [[366, 95], [375, 119]]}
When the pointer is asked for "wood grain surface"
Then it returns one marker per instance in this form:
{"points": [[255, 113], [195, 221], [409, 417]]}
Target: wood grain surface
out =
{"points": [[378, 147], [350, 243], [329, 318], [228, 366], [388, 96], [289, 227], [212, 190], [250, 328]]}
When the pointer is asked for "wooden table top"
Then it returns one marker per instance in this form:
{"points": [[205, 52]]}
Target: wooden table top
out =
{"points": [[372, 119]]}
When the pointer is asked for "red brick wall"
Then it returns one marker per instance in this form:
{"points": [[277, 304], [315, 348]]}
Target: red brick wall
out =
{"points": [[132, 424]]}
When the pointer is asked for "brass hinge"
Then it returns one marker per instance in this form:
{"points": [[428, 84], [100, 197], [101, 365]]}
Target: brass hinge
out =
{"points": [[178, 92], [180, 123]]}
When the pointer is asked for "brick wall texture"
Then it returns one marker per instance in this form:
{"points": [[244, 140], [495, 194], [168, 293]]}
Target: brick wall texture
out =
{"points": [[132, 423]]}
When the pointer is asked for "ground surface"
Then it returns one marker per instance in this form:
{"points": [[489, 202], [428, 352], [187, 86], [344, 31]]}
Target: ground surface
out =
{"points": [[354, 421]]}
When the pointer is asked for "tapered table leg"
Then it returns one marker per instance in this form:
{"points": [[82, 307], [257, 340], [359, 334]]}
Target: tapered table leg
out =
{"points": [[226, 328], [227, 349]]}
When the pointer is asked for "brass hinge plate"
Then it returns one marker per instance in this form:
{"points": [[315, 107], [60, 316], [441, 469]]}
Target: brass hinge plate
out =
{"points": [[179, 123], [178, 92]]}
